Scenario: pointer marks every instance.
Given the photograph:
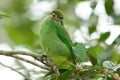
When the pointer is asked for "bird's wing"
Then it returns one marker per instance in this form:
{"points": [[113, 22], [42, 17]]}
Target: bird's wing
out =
{"points": [[64, 37]]}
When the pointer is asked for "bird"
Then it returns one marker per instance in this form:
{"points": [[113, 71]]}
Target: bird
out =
{"points": [[54, 39]]}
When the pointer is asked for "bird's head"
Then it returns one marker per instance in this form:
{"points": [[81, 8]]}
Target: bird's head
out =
{"points": [[57, 15]]}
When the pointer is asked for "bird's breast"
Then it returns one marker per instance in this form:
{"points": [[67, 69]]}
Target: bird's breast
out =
{"points": [[52, 45]]}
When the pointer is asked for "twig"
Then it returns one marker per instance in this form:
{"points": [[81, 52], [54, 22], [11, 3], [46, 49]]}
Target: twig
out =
{"points": [[34, 55], [31, 62], [22, 66], [43, 59], [9, 53], [92, 73], [52, 65], [15, 53], [26, 78]]}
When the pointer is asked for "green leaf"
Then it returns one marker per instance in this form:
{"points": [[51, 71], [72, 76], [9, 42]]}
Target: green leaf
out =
{"points": [[116, 41], [115, 56], [93, 4], [104, 36], [106, 55], [110, 78], [80, 51], [118, 71], [66, 75], [86, 73], [96, 50], [109, 6], [94, 53], [92, 22], [116, 20], [61, 61], [4, 15], [92, 58], [92, 29]]}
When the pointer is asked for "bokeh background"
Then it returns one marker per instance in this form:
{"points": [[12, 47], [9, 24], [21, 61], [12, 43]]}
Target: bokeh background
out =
{"points": [[96, 23]]}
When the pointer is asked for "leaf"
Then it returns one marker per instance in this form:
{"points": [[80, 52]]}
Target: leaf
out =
{"points": [[108, 64], [92, 22], [66, 75], [92, 58], [93, 4], [92, 29], [115, 56], [94, 53], [106, 55], [116, 20], [90, 73], [80, 51], [116, 41], [104, 36], [4, 15], [96, 50], [61, 61], [109, 6], [118, 71], [110, 78]]}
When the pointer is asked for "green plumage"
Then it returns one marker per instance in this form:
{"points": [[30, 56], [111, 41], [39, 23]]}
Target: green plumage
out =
{"points": [[54, 39]]}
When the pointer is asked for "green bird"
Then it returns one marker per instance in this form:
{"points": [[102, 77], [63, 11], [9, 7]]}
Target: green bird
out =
{"points": [[54, 40]]}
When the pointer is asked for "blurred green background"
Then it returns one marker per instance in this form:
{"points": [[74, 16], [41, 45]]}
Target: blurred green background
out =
{"points": [[20, 20]]}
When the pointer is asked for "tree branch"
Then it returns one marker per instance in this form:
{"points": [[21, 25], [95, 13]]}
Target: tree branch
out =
{"points": [[26, 78], [31, 62], [50, 66]]}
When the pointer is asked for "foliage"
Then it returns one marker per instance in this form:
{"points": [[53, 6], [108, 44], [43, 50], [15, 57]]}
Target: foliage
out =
{"points": [[16, 20]]}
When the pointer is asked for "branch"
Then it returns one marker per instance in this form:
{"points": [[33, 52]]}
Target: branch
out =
{"points": [[26, 78], [51, 64], [9, 53], [31, 62], [34, 55], [22, 66], [15, 53], [43, 59]]}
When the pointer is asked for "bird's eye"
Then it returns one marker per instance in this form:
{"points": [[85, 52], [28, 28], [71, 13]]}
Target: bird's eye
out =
{"points": [[55, 16], [52, 15], [61, 17]]}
